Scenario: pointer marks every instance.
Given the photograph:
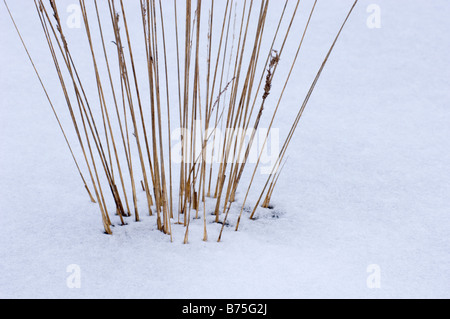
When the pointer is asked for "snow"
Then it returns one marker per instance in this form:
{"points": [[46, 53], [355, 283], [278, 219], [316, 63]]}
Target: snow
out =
{"points": [[366, 182]]}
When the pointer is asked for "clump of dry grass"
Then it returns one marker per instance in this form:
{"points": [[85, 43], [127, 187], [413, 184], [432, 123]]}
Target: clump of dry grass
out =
{"points": [[219, 89]]}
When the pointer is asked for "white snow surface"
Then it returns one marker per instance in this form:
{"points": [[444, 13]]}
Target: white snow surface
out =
{"points": [[367, 182]]}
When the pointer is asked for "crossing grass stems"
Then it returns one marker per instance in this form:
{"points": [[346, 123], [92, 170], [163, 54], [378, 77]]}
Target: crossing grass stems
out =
{"points": [[228, 85]]}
